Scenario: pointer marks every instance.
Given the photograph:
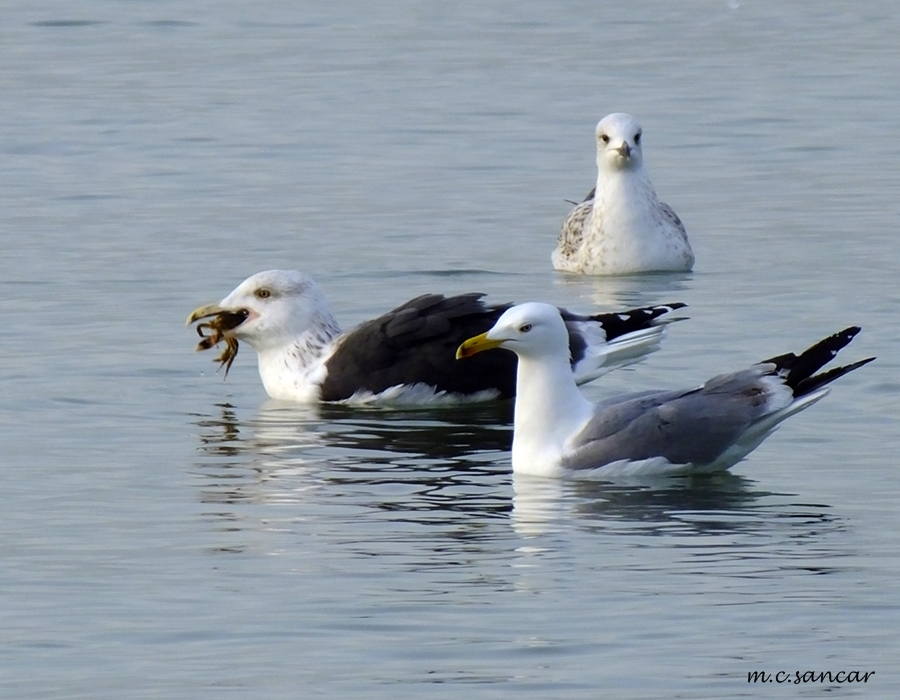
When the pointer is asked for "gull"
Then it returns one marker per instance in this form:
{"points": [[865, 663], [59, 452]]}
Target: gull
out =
{"points": [[405, 356], [557, 431], [621, 227]]}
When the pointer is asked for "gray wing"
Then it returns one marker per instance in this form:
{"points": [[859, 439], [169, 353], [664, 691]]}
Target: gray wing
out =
{"points": [[669, 215], [572, 232], [685, 427]]}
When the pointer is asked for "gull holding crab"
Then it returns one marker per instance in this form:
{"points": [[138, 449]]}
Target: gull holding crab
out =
{"points": [[406, 355]]}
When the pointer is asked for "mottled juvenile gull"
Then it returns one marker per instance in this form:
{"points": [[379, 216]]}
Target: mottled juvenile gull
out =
{"points": [[404, 356], [621, 227], [704, 429]]}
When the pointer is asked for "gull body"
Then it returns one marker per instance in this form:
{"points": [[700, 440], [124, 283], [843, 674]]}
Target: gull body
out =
{"points": [[405, 355], [702, 429], [622, 227]]}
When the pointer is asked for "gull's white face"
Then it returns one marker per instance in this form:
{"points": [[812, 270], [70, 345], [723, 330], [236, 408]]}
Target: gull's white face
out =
{"points": [[619, 143], [531, 329], [277, 305]]}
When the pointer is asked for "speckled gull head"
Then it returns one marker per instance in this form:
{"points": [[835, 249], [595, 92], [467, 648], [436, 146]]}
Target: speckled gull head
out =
{"points": [[619, 143], [277, 306]]}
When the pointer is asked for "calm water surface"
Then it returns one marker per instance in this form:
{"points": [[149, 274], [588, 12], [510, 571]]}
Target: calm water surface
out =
{"points": [[165, 534]]}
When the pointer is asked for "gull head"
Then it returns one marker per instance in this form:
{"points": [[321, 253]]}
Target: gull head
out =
{"points": [[268, 310], [530, 330], [619, 143]]}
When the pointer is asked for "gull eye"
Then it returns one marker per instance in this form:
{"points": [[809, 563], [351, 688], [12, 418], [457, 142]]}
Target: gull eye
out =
{"points": [[524, 328], [637, 137], [262, 293], [604, 138]]}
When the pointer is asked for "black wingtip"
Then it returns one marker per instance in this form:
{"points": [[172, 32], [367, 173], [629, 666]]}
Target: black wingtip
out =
{"points": [[671, 306], [810, 384], [620, 323], [799, 371]]}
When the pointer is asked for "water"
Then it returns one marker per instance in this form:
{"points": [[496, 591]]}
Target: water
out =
{"points": [[168, 534]]}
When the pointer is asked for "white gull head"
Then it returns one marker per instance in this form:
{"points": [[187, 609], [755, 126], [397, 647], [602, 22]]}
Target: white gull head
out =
{"points": [[619, 143], [289, 324], [282, 305], [532, 330]]}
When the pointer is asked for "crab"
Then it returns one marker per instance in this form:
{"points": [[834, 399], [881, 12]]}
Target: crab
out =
{"points": [[216, 330]]}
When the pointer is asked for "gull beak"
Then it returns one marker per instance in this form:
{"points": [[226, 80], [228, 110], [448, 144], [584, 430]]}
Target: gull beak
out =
{"points": [[624, 150], [226, 319], [475, 345], [204, 312]]}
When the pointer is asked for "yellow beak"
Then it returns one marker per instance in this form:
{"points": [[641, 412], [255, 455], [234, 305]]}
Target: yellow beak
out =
{"points": [[475, 345], [204, 312]]}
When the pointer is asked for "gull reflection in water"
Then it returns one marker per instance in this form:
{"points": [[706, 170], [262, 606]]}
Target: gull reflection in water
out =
{"points": [[449, 468], [442, 458], [627, 291], [703, 504], [717, 522]]}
